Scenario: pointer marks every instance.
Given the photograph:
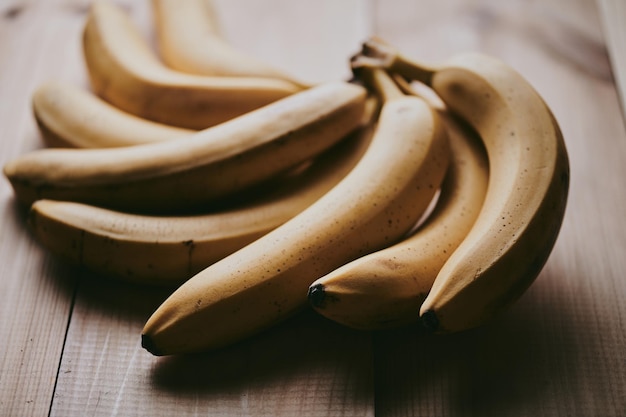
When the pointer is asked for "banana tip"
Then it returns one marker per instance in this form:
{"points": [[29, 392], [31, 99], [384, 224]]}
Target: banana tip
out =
{"points": [[148, 344], [317, 295], [430, 320]]}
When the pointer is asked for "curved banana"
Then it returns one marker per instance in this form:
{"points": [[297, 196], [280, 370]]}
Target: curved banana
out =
{"points": [[527, 193], [188, 41], [126, 72], [168, 250], [266, 281], [386, 288], [207, 166], [68, 116]]}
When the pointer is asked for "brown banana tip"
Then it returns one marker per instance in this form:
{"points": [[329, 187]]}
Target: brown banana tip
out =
{"points": [[317, 295], [148, 344], [358, 62], [430, 320]]}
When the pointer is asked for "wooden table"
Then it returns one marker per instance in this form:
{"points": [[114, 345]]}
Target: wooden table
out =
{"points": [[70, 342]]}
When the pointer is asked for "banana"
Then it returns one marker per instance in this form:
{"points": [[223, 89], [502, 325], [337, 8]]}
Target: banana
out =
{"points": [[519, 223], [207, 166], [167, 250], [127, 73], [189, 41], [68, 116], [386, 288], [266, 281]]}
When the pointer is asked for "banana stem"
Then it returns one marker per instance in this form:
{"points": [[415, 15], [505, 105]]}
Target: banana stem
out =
{"points": [[376, 52], [403, 84], [385, 86], [420, 90], [378, 80], [412, 70]]}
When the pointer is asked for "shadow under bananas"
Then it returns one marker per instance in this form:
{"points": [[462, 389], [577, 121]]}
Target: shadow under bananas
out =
{"points": [[521, 363], [304, 354]]}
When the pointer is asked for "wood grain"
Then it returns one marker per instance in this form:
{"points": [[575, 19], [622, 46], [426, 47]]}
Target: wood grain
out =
{"points": [[35, 296], [307, 365], [70, 339], [613, 14]]}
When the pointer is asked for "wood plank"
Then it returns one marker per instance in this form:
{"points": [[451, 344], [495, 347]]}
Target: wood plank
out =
{"points": [[306, 366], [560, 349], [613, 14], [35, 297]]}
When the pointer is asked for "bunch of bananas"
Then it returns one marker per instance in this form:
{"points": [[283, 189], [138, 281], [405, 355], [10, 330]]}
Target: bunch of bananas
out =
{"points": [[257, 195]]}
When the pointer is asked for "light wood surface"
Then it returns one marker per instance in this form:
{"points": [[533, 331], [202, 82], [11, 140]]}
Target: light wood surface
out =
{"points": [[613, 14], [70, 340]]}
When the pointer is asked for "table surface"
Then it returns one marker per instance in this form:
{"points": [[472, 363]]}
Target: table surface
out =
{"points": [[70, 342]]}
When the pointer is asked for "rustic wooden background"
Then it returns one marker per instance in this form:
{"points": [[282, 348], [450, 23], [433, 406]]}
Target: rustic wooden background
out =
{"points": [[69, 343]]}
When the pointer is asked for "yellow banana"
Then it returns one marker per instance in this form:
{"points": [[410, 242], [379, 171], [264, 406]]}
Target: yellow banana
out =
{"points": [[526, 198], [266, 281], [207, 166], [167, 250], [188, 41], [386, 288], [128, 74], [68, 116]]}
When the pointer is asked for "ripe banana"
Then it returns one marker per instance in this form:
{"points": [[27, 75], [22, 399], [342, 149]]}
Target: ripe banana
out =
{"points": [[526, 198], [68, 116], [168, 250], [188, 41], [266, 281], [127, 73], [386, 288], [207, 166]]}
